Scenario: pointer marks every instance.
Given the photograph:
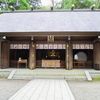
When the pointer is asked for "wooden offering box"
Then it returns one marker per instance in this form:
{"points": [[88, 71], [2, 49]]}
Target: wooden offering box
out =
{"points": [[51, 63]]}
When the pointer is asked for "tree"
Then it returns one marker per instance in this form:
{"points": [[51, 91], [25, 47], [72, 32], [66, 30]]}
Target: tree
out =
{"points": [[64, 4], [98, 2], [35, 3], [25, 4], [79, 4]]}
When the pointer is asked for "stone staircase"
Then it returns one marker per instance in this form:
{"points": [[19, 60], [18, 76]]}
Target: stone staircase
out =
{"points": [[95, 74], [49, 74]]}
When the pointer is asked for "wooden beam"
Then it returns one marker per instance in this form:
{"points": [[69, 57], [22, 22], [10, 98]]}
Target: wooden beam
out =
{"points": [[50, 33], [96, 40]]}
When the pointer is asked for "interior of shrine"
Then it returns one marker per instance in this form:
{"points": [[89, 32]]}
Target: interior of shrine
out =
{"points": [[82, 50]]}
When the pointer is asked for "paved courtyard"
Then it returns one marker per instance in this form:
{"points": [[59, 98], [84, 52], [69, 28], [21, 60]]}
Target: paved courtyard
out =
{"points": [[44, 89], [50, 88], [82, 90]]}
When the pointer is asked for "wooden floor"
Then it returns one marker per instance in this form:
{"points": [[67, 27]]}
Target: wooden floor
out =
{"points": [[44, 89]]}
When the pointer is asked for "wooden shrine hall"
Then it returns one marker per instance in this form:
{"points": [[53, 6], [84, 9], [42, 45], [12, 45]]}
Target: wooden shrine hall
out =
{"points": [[54, 39]]}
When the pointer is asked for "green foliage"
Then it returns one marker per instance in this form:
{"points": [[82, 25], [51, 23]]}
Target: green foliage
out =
{"points": [[96, 79], [65, 4], [45, 7], [25, 4], [11, 1], [22, 7], [0, 12], [1, 1], [86, 4]]}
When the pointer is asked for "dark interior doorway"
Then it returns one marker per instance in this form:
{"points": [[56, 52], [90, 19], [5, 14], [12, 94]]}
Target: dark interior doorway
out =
{"points": [[80, 62], [15, 54], [42, 54], [52, 54]]}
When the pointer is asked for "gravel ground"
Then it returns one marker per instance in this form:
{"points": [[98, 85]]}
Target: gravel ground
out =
{"points": [[85, 90], [82, 90], [9, 87]]}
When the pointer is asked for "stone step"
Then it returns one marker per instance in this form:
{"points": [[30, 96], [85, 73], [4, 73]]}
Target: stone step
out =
{"points": [[94, 72], [95, 75], [52, 73], [23, 77], [50, 77], [48, 74], [60, 77], [68, 75], [80, 79], [38, 77], [75, 78]]}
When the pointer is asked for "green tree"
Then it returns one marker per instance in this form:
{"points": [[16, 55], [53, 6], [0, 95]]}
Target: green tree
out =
{"points": [[65, 4], [98, 4], [79, 4], [24, 4]]}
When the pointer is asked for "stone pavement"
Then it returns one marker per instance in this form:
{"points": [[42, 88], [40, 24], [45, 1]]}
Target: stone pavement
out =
{"points": [[44, 89]]}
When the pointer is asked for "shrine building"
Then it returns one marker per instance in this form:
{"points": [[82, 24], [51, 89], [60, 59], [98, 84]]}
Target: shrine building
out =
{"points": [[54, 39]]}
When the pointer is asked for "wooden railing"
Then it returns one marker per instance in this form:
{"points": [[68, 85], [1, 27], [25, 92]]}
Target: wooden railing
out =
{"points": [[82, 64]]}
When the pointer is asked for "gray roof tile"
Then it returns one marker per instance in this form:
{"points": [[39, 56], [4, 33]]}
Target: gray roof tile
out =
{"points": [[50, 21]]}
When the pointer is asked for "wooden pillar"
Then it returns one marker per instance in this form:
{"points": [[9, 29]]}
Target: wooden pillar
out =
{"points": [[69, 55], [0, 55], [96, 54], [32, 55], [5, 54], [67, 64]]}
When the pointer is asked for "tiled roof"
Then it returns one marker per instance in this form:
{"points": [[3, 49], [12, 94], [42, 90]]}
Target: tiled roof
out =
{"points": [[50, 21]]}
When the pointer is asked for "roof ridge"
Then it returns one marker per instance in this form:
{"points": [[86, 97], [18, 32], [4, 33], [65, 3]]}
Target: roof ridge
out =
{"points": [[55, 10]]}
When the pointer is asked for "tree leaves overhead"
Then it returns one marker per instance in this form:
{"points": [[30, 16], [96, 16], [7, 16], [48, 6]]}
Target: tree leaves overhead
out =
{"points": [[25, 3], [64, 4], [79, 4]]}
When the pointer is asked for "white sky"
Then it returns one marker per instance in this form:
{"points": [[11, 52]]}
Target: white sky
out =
{"points": [[48, 2]]}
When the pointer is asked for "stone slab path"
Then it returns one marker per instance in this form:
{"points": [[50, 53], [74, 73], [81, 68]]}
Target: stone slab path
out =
{"points": [[44, 89]]}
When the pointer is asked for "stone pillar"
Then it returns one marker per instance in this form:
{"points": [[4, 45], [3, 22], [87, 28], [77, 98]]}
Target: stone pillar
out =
{"points": [[32, 55], [5, 54], [69, 55], [96, 54]]}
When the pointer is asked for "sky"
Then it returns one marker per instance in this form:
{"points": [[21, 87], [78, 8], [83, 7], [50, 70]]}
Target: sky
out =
{"points": [[48, 2]]}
